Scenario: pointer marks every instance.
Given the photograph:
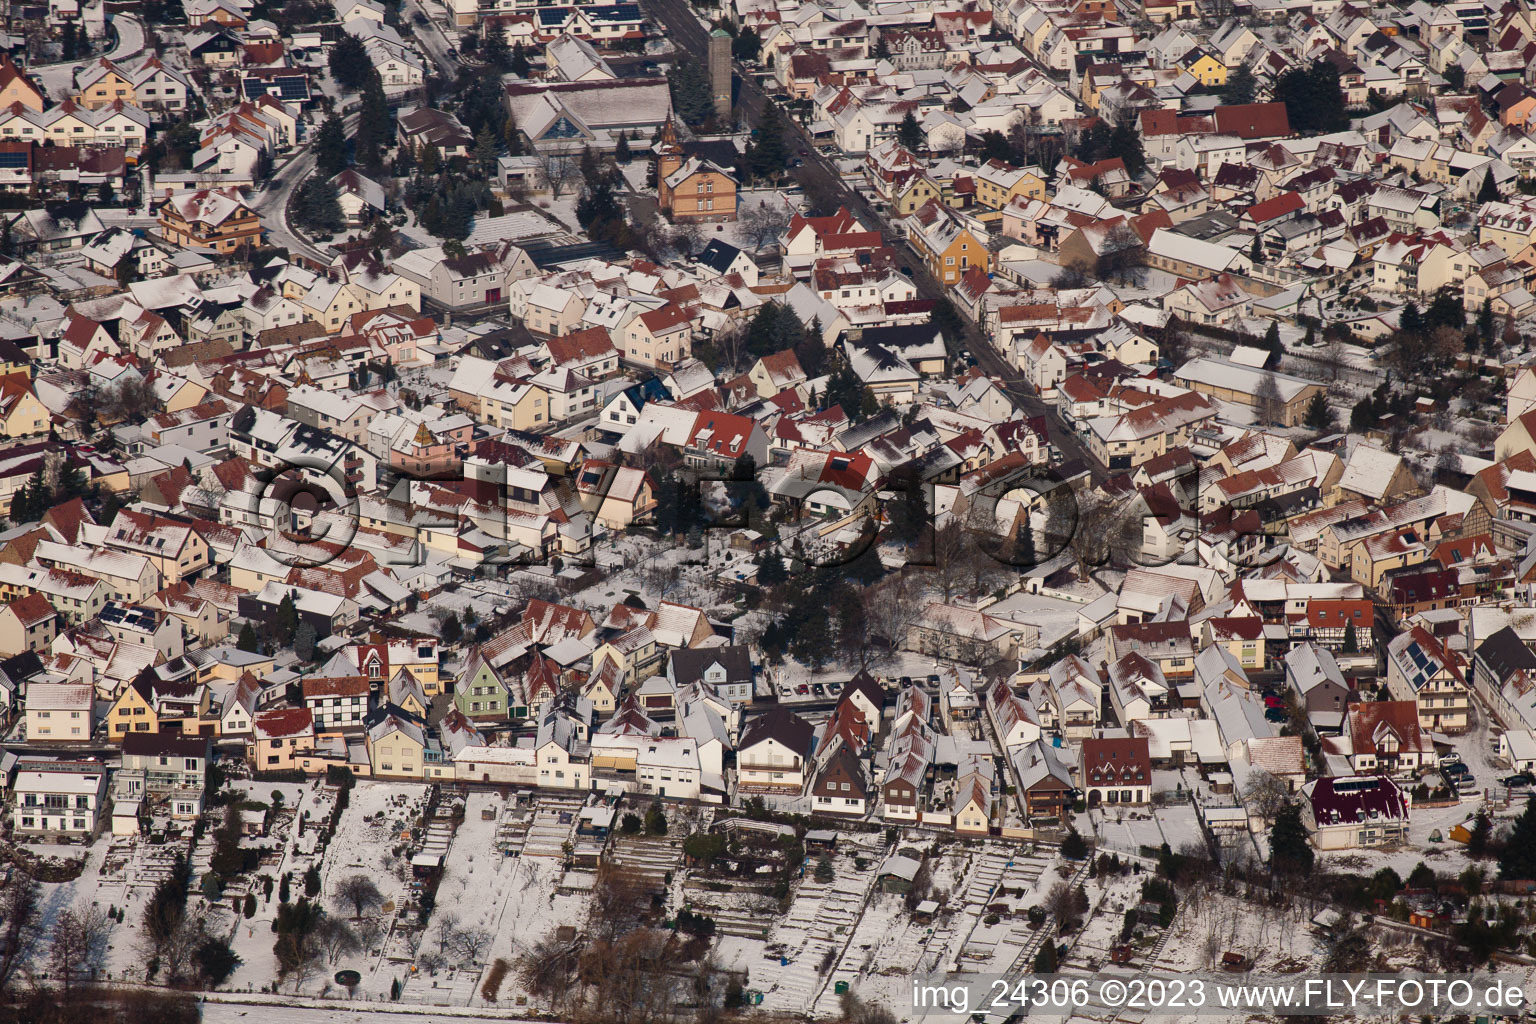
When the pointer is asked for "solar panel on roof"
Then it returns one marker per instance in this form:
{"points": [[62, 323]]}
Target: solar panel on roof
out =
{"points": [[13, 159]]}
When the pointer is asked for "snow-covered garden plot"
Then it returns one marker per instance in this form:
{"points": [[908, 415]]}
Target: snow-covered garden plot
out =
{"points": [[651, 859], [812, 935], [1109, 896], [1126, 830], [373, 837], [524, 891], [554, 824], [1278, 939]]}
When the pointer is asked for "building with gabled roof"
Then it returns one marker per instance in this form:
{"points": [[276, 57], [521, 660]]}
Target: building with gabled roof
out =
{"points": [[774, 753], [1354, 812], [1115, 771], [1422, 670]]}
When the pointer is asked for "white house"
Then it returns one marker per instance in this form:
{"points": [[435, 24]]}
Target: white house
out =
{"points": [[58, 797]]}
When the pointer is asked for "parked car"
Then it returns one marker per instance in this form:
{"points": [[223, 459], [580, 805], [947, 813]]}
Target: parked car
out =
{"points": [[1276, 714], [1451, 758], [818, 689], [1520, 780], [1273, 702], [834, 688], [802, 689]]}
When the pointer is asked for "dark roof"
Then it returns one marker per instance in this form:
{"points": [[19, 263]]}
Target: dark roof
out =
{"points": [[689, 663], [20, 667], [499, 344], [545, 254], [718, 255], [1353, 798], [1504, 654], [897, 336], [865, 683], [778, 724], [150, 744], [388, 710], [843, 765], [719, 152]]}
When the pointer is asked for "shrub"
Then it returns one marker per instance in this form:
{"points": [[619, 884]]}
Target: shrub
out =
{"points": [[493, 979]]}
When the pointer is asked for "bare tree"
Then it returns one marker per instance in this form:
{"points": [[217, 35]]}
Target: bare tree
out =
{"points": [[471, 944], [369, 932], [1333, 357], [18, 932], [764, 221], [75, 946], [1265, 794], [985, 540], [893, 607], [1059, 902], [547, 969], [359, 891], [561, 172], [630, 980], [1096, 527], [857, 1011], [336, 938], [688, 238], [447, 928], [1447, 464], [950, 548], [1268, 407], [134, 400], [1120, 257], [619, 898], [176, 951]]}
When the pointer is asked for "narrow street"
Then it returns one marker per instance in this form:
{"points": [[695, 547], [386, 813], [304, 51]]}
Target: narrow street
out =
{"points": [[271, 203], [819, 176]]}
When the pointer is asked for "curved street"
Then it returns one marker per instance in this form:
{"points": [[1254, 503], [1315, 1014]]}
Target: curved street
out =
{"points": [[271, 203]]}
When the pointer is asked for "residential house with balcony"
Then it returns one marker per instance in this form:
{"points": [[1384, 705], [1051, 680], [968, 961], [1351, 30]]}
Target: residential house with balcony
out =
{"points": [[57, 798], [774, 752], [1423, 670]]}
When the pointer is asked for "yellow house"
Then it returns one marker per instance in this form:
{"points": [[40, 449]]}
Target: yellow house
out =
{"points": [[105, 85], [603, 685], [997, 184], [972, 815], [1242, 636], [1204, 68], [1375, 556], [184, 394], [283, 736], [148, 706], [406, 693], [946, 244], [630, 652], [21, 414], [396, 745], [16, 87], [915, 193], [519, 406], [222, 665], [331, 304]]}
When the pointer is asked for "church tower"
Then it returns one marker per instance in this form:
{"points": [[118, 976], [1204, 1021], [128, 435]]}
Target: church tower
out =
{"points": [[669, 157]]}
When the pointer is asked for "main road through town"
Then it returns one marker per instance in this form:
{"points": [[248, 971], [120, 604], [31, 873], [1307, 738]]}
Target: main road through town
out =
{"points": [[820, 177]]}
